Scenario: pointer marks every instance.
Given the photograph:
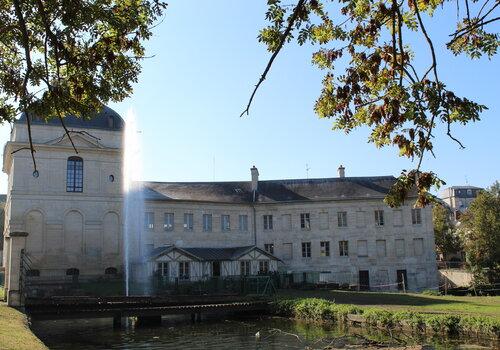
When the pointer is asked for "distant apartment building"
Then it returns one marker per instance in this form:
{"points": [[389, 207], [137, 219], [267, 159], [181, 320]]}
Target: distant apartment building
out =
{"points": [[458, 198]]}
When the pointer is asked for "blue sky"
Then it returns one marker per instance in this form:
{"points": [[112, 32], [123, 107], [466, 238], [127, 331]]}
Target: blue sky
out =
{"points": [[206, 62]]}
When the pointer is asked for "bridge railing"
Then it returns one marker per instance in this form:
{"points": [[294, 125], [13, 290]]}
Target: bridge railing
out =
{"points": [[114, 285]]}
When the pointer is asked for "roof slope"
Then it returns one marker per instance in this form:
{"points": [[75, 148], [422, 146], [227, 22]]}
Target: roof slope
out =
{"points": [[107, 119], [270, 190], [211, 254]]}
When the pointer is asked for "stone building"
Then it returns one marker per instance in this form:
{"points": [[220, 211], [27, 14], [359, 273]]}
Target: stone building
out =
{"points": [[337, 227], [66, 217], [458, 198]]}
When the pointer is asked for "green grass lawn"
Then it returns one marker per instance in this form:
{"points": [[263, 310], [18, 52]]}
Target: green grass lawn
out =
{"points": [[486, 306], [14, 330]]}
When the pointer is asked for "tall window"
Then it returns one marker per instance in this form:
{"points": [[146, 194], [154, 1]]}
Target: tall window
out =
{"points": [[207, 222], [149, 220], [379, 217], [418, 245], [362, 247], [188, 222], [74, 175], [324, 248], [245, 268], [344, 248], [286, 220], [287, 251], [306, 249], [269, 247], [225, 222], [342, 218], [263, 266], [381, 247], [268, 222], [400, 247], [416, 216], [184, 270], [243, 222], [305, 221], [168, 223], [163, 269]]}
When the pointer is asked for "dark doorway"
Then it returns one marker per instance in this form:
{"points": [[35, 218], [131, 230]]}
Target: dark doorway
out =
{"points": [[216, 268], [364, 280], [402, 280]]}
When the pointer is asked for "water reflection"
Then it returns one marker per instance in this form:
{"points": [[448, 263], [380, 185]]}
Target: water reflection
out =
{"points": [[178, 333]]}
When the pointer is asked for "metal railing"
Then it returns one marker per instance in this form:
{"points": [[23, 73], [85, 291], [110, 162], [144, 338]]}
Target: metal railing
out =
{"points": [[114, 285]]}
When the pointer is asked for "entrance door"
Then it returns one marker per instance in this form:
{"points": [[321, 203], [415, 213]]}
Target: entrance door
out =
{"points": [[402, 280], [364, 280], [216, 268]]}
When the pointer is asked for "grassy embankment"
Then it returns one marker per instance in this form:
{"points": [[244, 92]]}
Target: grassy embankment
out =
{"points": [[417, 312], [14, 330]]}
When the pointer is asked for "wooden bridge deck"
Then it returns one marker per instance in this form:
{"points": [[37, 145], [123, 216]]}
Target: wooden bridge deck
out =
{"points": [[104, 307]]}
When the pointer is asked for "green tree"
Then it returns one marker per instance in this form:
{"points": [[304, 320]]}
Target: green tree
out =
{"points": [[60, 57], [447, 241], [480, 233], [381, 87], [495, 189]]}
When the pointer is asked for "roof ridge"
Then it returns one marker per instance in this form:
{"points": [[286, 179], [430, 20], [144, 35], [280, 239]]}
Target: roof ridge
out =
{"points": [[341, 179]]}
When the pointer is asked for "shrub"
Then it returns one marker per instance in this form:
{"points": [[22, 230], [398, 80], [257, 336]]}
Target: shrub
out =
{"points": [[322, 310], [379, 317]]}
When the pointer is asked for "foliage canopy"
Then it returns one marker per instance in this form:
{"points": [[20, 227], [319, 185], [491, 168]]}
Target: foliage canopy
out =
{"points": [[480, 233], [447, 241], [381, 86], [61, 57]]}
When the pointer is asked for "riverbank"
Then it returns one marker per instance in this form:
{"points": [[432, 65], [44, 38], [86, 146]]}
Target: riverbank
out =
{"points": [[417, 302], [14, 331], [322, 310]]}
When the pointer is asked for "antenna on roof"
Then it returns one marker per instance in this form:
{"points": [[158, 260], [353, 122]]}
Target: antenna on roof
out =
{"points": [[307, 170], [466, 180]]}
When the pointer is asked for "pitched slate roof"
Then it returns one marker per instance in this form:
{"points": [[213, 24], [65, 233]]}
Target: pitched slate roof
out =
{"points": [[270, 190], [210, 254], [107, 119]]}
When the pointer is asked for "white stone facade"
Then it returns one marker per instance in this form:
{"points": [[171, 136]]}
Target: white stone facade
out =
{"points": [[397, 245], [64, 229]]}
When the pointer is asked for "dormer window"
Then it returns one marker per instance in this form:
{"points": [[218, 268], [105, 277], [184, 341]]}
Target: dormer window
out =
{"points": [[74, 175]]}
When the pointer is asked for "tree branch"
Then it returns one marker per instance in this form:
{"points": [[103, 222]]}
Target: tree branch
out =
{"points": [[285, 35], [67, 132], [26, 44], [470, 29], [434, 68]]}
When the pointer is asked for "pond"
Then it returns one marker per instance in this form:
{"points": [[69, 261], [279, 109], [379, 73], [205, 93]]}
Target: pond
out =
{"points": [[223, 333]]}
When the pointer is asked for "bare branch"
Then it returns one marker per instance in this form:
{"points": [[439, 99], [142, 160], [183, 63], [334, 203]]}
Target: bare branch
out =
{"points": [[434, 68], [20, 149], [26, 44], [285, 35], [67, 132], [400, 40], [450, 135]]}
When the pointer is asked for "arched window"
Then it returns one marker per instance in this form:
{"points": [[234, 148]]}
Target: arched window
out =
{"points": [[110, 271], [72, 272], [74, 175]]}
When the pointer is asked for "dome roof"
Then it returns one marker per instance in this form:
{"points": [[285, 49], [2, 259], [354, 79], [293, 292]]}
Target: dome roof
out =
{"points": [[107, 119]]}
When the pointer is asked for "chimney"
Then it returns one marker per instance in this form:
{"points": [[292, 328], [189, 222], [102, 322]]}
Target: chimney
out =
{"points": [[341, 171], [255, 178]]}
